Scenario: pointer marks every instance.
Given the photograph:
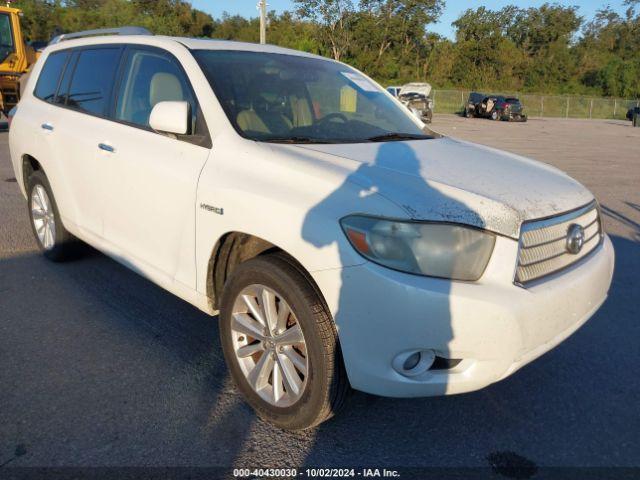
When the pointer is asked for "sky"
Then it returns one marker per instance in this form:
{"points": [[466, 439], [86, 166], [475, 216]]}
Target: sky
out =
{"points": [[247, 8]]}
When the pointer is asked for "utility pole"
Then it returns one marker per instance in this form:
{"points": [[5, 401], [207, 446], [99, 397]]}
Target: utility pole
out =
{"points": [[262, 6]]}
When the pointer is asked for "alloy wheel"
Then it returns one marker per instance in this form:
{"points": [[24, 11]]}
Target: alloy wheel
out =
{"points": [[269, 345], [43, 217]]}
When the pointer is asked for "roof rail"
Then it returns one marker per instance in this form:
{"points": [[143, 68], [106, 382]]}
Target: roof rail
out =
{"points": [[99, 32]]}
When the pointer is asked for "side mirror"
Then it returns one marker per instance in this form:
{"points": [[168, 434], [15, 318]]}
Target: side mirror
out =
{"points": [[170, 117]]}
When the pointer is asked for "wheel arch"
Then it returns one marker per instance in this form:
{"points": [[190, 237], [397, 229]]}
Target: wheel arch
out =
{"points": [[29, 165], [234, 248]]}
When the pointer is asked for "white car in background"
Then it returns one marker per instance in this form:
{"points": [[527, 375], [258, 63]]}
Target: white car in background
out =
{"points": [[342, 244], [416, 97]]}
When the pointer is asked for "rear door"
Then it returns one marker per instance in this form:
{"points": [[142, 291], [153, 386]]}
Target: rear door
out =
{"points": [[151, 178], [39, 116], [83, 100]]}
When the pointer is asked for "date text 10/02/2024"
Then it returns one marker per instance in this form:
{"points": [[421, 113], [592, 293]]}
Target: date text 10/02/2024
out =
{"points": [[316, 473]]}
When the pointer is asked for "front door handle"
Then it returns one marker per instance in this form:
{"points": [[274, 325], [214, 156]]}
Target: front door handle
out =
{"points": [[106, 147], [47, 126]]}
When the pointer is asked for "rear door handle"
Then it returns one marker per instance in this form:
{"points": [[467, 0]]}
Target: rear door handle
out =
{"points": [[47, 126], [106, 147]]}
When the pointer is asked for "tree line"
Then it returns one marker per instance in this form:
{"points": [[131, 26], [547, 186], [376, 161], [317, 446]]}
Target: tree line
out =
{"points": [[549, 49]]}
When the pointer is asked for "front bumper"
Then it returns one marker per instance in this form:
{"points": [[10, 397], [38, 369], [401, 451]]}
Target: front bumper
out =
{"points": [[515, 117], [492, 325]]}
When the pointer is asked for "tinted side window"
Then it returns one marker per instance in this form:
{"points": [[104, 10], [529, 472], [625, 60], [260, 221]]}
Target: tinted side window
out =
{"points": [[63, 87], [50, 75], [150, 77], [92, 80]]}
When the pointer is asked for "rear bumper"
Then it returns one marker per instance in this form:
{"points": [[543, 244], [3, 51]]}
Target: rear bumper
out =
{"points": [[493, 326]]}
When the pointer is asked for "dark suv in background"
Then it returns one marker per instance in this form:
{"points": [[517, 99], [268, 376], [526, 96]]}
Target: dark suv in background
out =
{"points": [[495, 107], [474, 101]]}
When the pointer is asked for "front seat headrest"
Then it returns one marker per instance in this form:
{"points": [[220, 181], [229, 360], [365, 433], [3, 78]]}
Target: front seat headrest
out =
{"points": [[165, 87]]}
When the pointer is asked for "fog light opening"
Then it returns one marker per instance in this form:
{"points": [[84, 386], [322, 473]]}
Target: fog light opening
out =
{"points": [[414, 362]]}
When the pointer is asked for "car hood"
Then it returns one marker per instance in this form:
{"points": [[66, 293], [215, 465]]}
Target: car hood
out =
{"points": [[421, 88], [451, 180]]}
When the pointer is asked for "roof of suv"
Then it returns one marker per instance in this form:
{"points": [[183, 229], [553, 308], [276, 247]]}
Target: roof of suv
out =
{"points": [[190, 43], [214, 44]]}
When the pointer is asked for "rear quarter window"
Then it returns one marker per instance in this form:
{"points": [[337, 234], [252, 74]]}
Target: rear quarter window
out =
{"points": [[50, 76], [93, 78]]}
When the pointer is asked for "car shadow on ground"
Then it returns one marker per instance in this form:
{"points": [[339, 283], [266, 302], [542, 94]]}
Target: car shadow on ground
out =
{"points": [[619, 123], [101, 367], [625, 220]]}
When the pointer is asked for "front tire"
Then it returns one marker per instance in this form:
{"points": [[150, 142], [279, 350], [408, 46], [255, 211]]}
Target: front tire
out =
{"points": [[280, 343], [54, 241]]}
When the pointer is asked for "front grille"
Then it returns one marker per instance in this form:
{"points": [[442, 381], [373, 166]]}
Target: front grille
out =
{"points": [[543, 243]]}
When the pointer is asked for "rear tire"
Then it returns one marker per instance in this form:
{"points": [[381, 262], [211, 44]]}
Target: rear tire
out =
{"points": [[323, 387], [54, 241]]}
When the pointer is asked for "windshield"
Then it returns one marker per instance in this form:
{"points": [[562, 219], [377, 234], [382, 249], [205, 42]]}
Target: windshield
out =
{"points": [[295, 99], [6, 37]]}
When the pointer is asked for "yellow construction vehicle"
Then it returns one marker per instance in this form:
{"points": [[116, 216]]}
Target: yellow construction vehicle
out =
{"points": [[16, 57]]}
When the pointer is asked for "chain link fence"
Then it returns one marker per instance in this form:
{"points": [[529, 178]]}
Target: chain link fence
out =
{"points": [[567, 106]]}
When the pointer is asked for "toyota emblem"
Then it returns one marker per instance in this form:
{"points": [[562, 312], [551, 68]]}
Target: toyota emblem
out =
{"points": [[575, 238]]}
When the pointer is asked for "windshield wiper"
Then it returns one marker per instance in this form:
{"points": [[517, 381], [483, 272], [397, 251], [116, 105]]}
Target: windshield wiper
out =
{"points": [[387, 137], [293, 139], [393, 136]]}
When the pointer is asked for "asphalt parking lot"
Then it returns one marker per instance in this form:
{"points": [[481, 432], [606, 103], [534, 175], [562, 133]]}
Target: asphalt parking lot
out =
{"points": [[99, 367]]}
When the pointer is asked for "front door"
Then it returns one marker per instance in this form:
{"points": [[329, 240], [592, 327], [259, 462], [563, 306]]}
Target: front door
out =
{"points": [[151, 178]]}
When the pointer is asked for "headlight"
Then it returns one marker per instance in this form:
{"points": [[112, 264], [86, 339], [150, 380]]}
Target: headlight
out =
{"points": [[434, 249]]}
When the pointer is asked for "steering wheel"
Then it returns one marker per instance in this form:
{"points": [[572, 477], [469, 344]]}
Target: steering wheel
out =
{"points": [[331, 116]]}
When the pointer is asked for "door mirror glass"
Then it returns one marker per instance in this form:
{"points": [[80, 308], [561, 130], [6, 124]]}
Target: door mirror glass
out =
{"points": [[170, 117]]}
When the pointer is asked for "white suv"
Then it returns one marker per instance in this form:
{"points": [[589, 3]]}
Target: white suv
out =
{"points": [[344, 245]]}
